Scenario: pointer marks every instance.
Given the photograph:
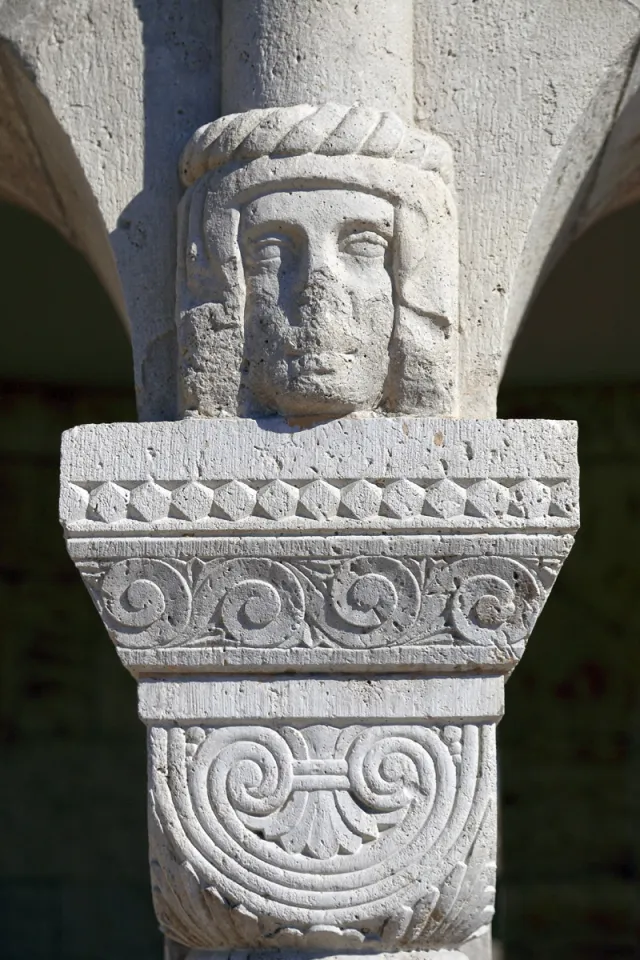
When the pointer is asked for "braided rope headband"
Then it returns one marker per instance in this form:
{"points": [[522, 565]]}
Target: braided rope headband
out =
{"points": [[230, 161], [328, 130]]}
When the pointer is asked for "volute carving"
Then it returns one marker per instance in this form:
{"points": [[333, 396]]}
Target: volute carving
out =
{"points": [[321, 837]]}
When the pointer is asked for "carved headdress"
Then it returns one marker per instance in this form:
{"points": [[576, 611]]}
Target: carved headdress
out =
{"points": [[239, 157]]}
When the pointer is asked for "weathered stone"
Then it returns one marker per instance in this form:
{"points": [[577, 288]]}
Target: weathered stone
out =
{"points": [[290, 800], [321, 619], [319, 500], [317, 266], [107, 502], [277, 499], [149, 501], [192, 501]]}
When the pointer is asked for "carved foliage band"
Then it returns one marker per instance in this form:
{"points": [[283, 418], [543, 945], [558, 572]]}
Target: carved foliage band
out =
{"points": [[323, 834], [361, 603]]}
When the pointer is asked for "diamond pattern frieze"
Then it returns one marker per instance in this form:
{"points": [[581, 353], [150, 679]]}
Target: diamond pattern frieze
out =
{"points": [[192, 501], [529, 499], [402, 498], [487, 499], [361, 499], [445, 499], [76, 501], [108, 503], [564, 500], [149, 501], [234, 500], [319, 500], [277, 500]]}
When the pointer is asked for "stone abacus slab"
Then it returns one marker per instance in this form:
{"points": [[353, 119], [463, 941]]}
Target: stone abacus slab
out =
{"points": [[351, 570]]}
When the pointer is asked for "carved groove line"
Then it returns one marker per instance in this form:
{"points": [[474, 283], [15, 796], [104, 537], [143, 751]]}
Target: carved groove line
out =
{"points": [[227, 808], [329, 129]]}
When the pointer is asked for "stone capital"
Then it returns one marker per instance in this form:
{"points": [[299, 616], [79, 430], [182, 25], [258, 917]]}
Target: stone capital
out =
{"points": [[321, 623]]}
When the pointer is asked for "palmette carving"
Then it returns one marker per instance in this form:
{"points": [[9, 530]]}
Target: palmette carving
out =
{"points": [[357, 603], [321, 621], [322, 836]]}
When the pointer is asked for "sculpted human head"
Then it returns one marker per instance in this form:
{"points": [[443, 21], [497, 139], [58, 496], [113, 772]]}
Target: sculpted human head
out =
{"points": [[319, 310], [317, 280]]}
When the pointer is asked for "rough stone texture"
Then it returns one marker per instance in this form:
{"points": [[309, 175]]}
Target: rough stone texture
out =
{"points": [[526, 91], [126, 82], [320, 812], [40, 171], [569, 761], [317, 266], [340, 50]]}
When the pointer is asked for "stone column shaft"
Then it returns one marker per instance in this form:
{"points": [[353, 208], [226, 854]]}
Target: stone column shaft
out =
{"points": [[279, 53]]}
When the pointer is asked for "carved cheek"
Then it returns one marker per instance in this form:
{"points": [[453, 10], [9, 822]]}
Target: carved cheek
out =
{"points": [[367, 277]]}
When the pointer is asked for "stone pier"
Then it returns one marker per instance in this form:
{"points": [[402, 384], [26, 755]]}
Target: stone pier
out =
{"points": [[319, 575]]}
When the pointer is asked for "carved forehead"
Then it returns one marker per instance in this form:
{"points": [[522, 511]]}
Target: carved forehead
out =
{"points": [[326, 209]]}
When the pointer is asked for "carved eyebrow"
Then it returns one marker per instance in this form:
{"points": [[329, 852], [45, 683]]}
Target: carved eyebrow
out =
{"points": [[270, 236], [382, 229], [278, 230], [373, 236]]}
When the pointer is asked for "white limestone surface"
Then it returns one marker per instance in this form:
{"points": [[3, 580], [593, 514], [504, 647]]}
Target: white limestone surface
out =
{"points": [[279, 55], [317, 266], [360, 544], [321, 621], [264, 477]]}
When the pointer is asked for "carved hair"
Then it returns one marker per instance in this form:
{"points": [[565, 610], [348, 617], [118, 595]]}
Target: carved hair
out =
{"points": [[330, 130], [233, 160]]}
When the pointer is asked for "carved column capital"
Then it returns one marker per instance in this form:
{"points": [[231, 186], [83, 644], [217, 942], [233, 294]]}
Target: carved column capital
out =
{"points": [[321, 622], [322, 588]]}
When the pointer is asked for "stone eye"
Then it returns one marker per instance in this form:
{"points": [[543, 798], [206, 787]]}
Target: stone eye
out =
{"points": [[364, 244], [268, 249]]}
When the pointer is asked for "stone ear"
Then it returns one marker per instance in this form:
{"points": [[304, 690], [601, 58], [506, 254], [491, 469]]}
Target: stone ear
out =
{"points": [[210, 292], [422, 366], [426, 263]]}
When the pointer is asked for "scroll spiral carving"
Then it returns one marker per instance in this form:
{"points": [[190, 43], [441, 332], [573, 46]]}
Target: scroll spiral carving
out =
{"points": [[258, 603], [371, 601], [497, 600], [309, 829], [356, 603], [145, 601]]}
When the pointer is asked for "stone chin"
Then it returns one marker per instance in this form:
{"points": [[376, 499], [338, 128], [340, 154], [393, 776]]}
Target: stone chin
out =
{"points": [[322, 384]]}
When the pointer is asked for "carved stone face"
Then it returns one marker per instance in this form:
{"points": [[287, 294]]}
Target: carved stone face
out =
{"points": [[319, 300]]}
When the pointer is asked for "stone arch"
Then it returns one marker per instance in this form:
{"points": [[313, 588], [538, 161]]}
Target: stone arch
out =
{"points": [[40, 172], [63, 357], [579, 663], [596, 174]]}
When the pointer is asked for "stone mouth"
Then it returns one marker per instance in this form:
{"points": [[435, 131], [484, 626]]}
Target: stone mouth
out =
{"points": [[304, 363]]}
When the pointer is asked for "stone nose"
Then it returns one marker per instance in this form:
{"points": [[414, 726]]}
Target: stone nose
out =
{"points": [[319, 257]]}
